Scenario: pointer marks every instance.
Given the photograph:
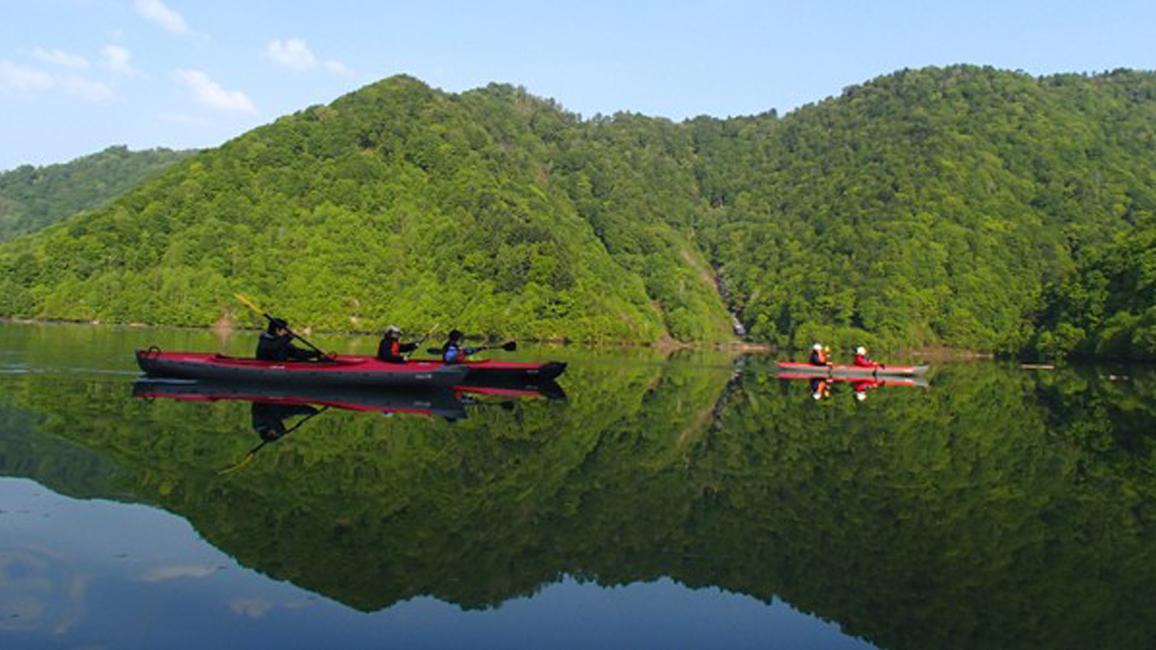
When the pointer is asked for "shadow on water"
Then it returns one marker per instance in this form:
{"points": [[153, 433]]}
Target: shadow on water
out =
{"points": [[995, 508]]}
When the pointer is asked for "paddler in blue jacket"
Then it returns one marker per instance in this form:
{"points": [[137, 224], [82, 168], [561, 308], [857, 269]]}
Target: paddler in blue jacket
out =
{"points": [[454, 352]]}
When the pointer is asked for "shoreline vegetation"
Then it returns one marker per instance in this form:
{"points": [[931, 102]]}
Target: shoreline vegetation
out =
{"points": [[737, 347], [956, 208]]}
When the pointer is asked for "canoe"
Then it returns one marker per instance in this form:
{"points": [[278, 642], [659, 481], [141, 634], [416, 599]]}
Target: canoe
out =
{"points": [[850, 371], [339, 371]]}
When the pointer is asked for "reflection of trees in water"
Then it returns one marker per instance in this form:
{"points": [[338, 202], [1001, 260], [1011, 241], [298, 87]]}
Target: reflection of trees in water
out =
{"points": [[998, 509]]}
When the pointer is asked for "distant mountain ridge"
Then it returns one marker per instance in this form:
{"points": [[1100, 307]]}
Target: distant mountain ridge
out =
{"points": [[34, 197], [942, 206]]}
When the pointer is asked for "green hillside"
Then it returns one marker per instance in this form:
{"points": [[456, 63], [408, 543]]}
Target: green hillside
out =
{"points": [[927, 207], [936, 207], [34, 197]]}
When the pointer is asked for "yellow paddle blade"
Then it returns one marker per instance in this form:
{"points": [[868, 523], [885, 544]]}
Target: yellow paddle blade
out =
{"points": [[227, 470], [249, 303]]}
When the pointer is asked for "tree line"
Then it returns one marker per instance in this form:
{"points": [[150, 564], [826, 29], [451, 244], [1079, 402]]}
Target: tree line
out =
{"points": [[963, 206]]}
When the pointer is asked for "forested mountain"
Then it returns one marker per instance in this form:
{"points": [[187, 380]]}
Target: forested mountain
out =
{"points": [[929, 206], [34, 197], [958, 206]]}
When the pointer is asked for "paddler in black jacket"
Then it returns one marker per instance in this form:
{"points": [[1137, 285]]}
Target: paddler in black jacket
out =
{"points": [[276, 344], [391, 348], [818, 355]]}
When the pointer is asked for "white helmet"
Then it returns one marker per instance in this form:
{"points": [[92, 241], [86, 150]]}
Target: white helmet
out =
{"points": [[860, 350], [818, 395], [817, 346], [861, 395], [392, 329]]}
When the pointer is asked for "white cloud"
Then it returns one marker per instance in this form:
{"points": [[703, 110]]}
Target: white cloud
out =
{"points": [[251, 607], [337, 67], [86, 89], [292, 53], [14, 77], [60, 58], [117, 59], [210, 93], [177, 571], [18, 77], [157, 12]]}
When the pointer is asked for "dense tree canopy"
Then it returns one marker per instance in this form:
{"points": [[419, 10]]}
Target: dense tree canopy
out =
{"points": [[34, 197], [959, 206]]}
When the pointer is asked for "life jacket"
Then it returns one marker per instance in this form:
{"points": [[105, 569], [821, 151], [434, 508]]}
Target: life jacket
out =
{"points": [[818, 358], [862, 361], [453, 353], [395, 347]]}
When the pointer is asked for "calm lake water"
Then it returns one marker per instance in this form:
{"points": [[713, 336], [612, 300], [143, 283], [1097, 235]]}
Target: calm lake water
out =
{"points": [[690, 501]]}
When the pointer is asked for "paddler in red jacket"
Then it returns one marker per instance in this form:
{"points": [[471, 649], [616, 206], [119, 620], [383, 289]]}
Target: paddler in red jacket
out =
{"points": [[391, 348], [861, 360]]}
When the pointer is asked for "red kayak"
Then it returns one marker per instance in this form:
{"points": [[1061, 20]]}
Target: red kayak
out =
{"points": [[345, 370], [486, 370], [337, 371], [868, 381], [836, 370]]}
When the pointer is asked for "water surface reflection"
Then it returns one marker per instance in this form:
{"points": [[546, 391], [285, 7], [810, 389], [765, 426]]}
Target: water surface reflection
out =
{"points": [[995, 508]]}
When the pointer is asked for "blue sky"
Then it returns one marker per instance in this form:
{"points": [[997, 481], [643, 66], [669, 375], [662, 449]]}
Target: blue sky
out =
{"points": [[79, 75]]}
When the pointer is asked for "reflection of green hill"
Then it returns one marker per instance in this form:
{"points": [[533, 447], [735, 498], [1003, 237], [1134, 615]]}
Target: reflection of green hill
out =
{"points": [[999, 509]]}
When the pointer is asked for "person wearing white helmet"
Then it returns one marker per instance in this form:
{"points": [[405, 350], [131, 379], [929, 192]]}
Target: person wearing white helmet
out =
{"points": [[862, 361], [391, 348], [818, 355]]}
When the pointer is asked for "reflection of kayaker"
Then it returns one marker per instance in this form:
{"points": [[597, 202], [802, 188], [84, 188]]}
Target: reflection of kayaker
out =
{"points": [[863, 385], [269, 418], [820, 389], [269, 423]]}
